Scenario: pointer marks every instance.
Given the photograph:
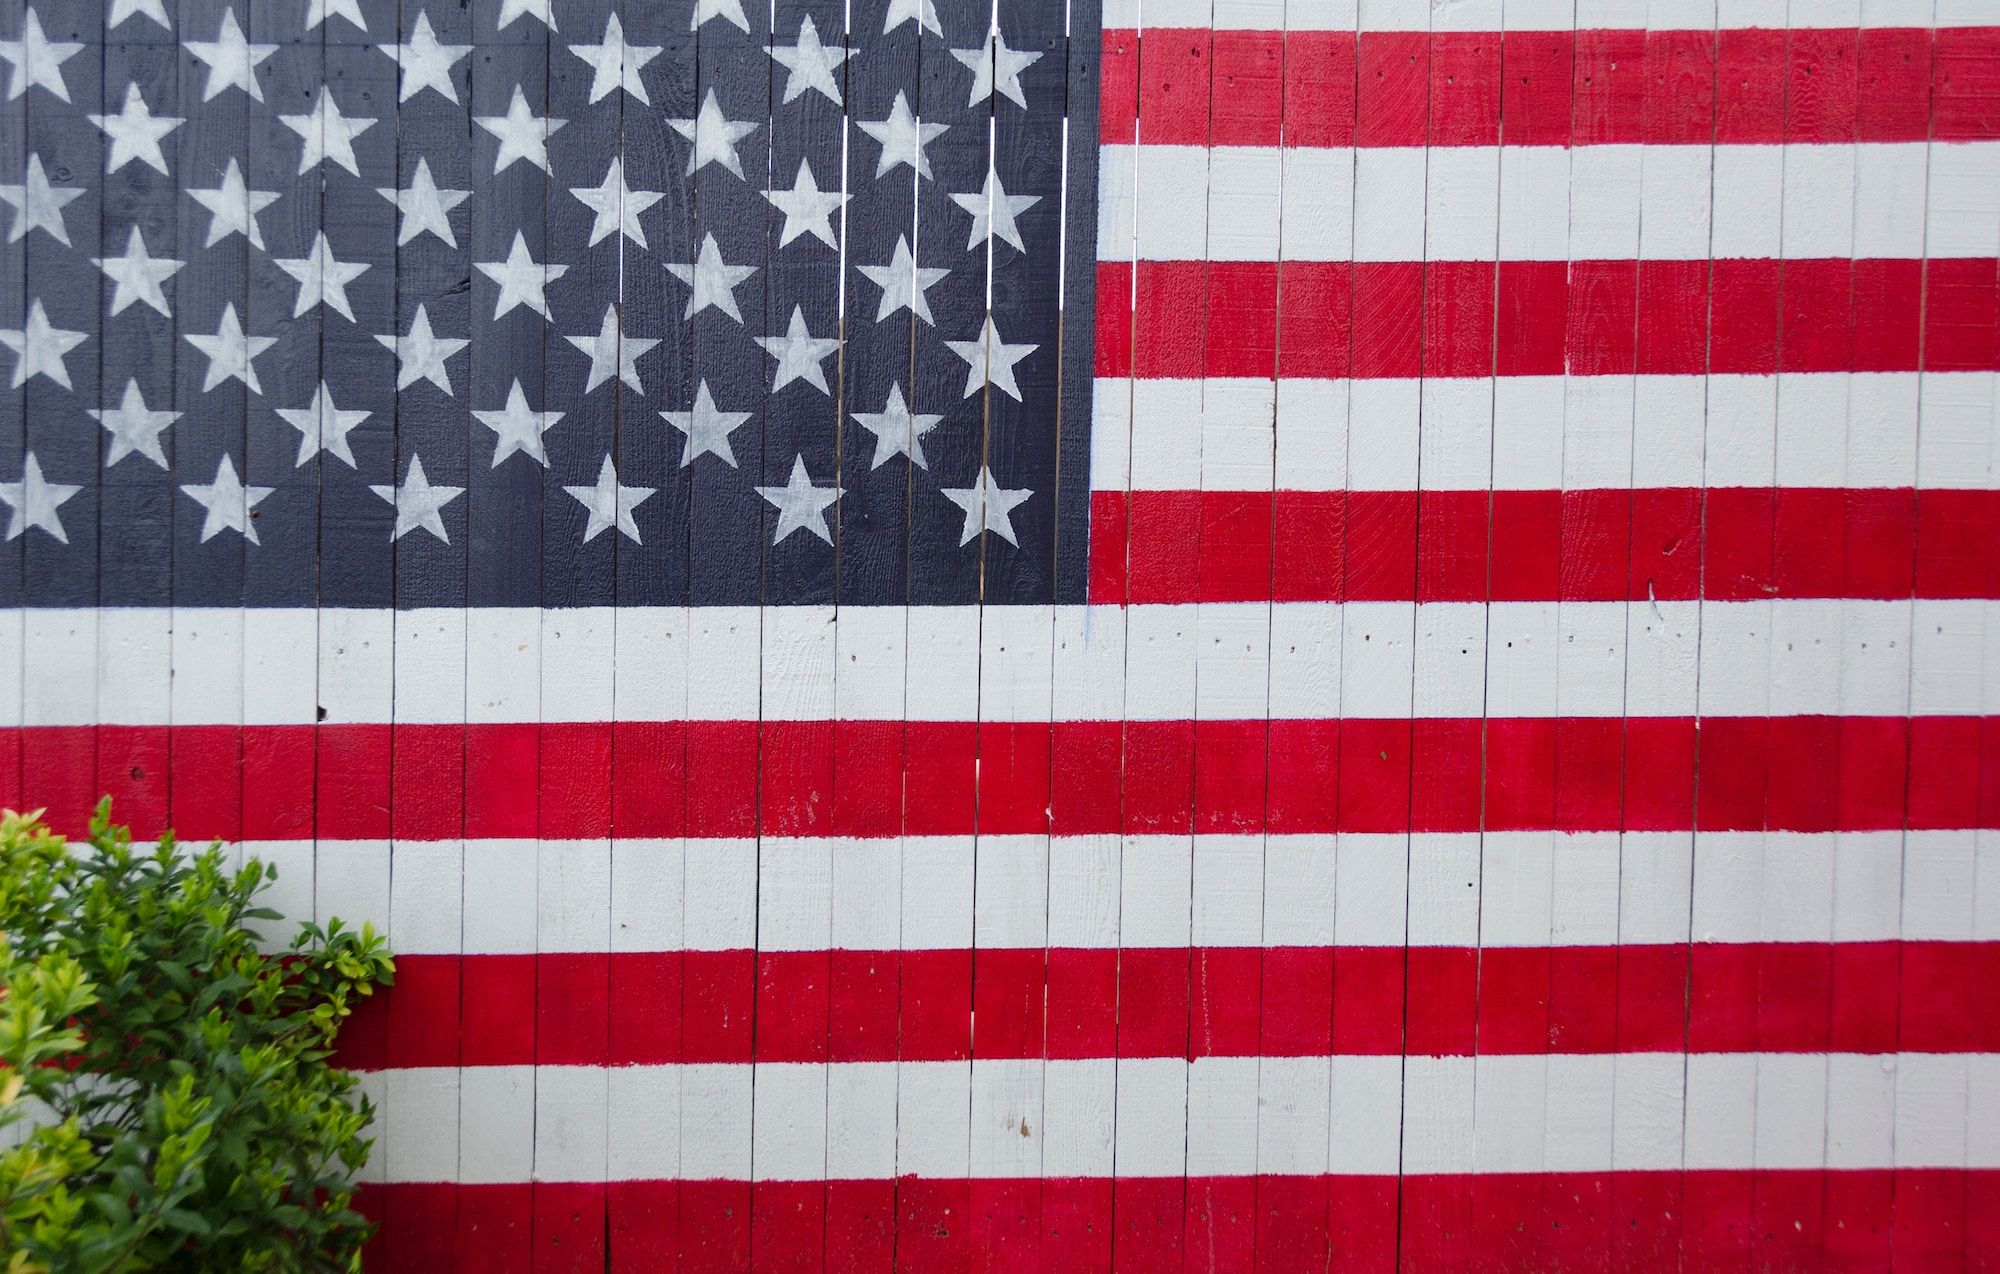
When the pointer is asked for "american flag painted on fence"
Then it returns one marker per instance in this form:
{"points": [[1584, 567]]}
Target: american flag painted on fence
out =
{"points": [[1215, 634]]}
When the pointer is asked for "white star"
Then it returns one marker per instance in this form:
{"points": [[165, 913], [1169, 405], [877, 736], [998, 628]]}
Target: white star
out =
{"points": [[322, 427], [134, 428], [806, 209], [320, 10], [993, 212], [38, 205], [707, 428], [612, 353], [228, 502], [811, 63], [424, 62], [799, 354], [417, 502], [996, 67], [327, 134], [424, 206], [517, 428], [611, 504], [37, 60], [521, 281], [135, 133], [898, 430], [617, 205], [542, 11], [123, 9], [322, 279], [714, 136], [138, 275], [730, 9], [39, 348], [902, 138], [922, 12], [233, 208], [987, 507], [988, 358], [903, 283], [801, 506], [231, 352], [421, 355], [232, 60], [713, 282], [521, 134], [34, 501], [615, 64]]}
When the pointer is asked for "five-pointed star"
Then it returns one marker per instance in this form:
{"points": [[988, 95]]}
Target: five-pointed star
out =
{"points": [[231, 352], [543, 11], [39, 347], [799, 354], [903, 283], [228, 502], [135, 133], [898, 430], [322, 427], [807, 210], [424, 206], [123, 9], [611, 504], [521, 281], [38, 205], [34, 500], [988, 358], [327, 134], [993, 212], [37, 60], [615, 64], [987, 506], [135, 429], [233, 208], [996, 68], [801, 506], [711, 280], [417, 502], [730, 9], [714, 136], [612, 353], [921, 12], [902, 138], [811, 63], [232, 59], [617, 205], [321, 278], [521, 134], [707, 428], [319, 11], [420, 355], [424, 62], [516, 427], [138, 275]]}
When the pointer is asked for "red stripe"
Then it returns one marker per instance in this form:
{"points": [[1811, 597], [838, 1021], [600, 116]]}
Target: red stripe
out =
{"points": [[877, 1006], [1907, 1218], [1370, 320], [1549, 88], [1356, 775], [1662, 543]]}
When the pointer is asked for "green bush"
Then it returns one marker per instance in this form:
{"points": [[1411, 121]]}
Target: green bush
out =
{"points": [[166, 1085]]}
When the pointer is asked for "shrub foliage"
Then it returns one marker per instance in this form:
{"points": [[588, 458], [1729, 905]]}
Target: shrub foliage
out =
{"points": [[165, 1084]]}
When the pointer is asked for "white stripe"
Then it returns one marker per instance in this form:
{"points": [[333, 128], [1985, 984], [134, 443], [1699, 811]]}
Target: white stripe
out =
{"points": [[1540, 15], [1813, 429], [1212, 661], [1527, 203], [1456, 889], [1168, 1117]]}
